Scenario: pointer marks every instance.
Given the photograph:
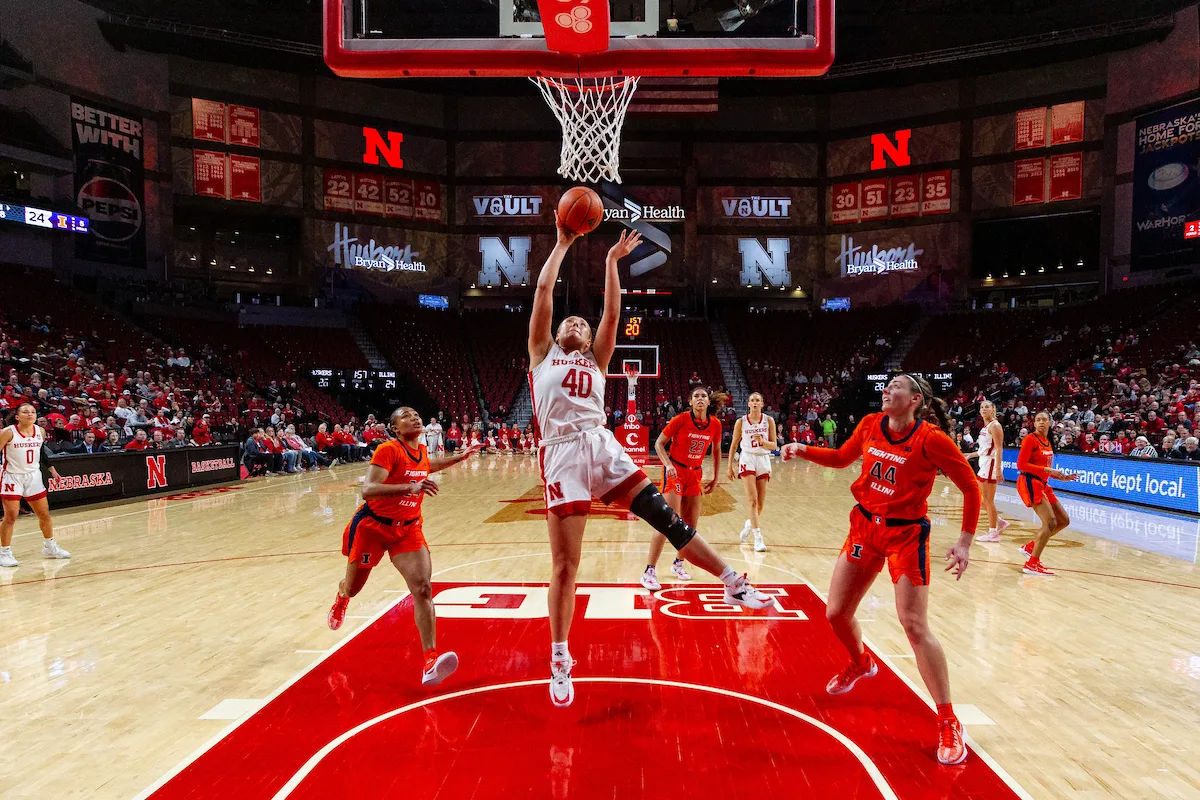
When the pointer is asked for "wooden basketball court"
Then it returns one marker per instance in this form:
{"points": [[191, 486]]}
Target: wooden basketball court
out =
{"points": [[143, 666]]}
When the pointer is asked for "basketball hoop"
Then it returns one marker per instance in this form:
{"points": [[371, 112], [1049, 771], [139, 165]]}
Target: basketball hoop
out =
{"points": [[632, 371], [592, 113]]}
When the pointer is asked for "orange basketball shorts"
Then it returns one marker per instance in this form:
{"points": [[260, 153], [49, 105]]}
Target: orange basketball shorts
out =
{"points": [[904, 547], [686, 483], [1034, 490], [366, 539]]}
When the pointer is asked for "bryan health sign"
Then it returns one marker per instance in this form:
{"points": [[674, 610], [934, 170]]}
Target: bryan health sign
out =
{"points": [[1161, 484]]}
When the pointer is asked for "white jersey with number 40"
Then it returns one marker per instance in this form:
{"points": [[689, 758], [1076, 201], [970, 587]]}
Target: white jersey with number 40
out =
{"points": [[567, 390], [23, 454]]}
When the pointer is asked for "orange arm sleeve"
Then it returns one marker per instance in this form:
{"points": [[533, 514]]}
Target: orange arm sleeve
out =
{"points": [[949, 459], [1024, 458], [845, 455]]}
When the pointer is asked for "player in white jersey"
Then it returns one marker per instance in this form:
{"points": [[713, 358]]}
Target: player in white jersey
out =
{"points": [[21, 477], [580, 459], [990, 453], [755, 435], [433, 437]]}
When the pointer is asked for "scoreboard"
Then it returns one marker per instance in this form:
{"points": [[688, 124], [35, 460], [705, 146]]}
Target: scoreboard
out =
{"points": [[41, 218], [941, 383], [354, 379]]}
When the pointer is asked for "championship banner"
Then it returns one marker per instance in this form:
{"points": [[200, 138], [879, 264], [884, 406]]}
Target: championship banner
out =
{"points": [[874, 195], [244, 128], [1029, 181], [1166, 186], [109, 184], [1066, 123], [210, 178], [208, 120], [1066, 177], [245, 178], [1031, 129]]}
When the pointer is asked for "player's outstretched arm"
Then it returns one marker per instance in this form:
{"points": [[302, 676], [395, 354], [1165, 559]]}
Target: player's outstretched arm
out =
{"points": [[439, 464], [840, 458], [606, 335], [542, 315]]}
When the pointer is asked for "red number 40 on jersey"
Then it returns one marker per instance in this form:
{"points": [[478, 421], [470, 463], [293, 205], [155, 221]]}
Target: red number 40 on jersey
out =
{"points": [[578, 383]]}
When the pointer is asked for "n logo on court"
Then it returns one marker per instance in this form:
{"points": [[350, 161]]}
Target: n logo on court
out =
{"points": [[156, 471], [511, 262], [554, 491]]}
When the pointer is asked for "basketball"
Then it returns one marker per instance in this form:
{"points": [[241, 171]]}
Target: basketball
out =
{"points": [[580, 210]]}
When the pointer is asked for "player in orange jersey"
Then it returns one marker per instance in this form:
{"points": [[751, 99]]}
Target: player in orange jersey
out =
{"points": [[389, 521], [689, 436], [902, 451], [1033, 468]]}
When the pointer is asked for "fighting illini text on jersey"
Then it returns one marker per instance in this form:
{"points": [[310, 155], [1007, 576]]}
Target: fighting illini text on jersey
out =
{"points": [[690, 441], [899, 469], [403, 466]]}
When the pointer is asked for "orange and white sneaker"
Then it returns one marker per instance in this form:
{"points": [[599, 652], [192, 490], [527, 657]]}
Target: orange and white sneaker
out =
{"points": [[1027, 549], [1034, 566], [951, 749], [337, 614], [844, 681], [438, 667]]}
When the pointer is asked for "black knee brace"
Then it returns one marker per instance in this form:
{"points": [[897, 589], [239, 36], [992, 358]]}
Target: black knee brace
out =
{"points": [[651, 506]]}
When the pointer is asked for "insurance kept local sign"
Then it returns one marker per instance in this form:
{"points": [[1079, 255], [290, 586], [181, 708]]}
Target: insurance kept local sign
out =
{"points": [[1161, 484]]}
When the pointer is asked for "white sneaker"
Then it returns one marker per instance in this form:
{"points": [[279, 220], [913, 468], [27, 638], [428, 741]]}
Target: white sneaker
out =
{"points": [[650, 579], [745, 534], [680, 572], [7, 559], [50, 549], [562, 693], [745, 595], [992, 535], [759, 545], [1002, 525], [443, 667]]}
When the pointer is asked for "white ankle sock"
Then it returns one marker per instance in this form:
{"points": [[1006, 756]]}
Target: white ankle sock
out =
{"points": [[729, 576], [756, 531], [559, 652]]}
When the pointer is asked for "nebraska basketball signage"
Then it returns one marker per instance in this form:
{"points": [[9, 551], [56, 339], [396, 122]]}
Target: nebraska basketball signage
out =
{"points": [[347, 254], [376, 147], [884, 149], [755, 206], [504, 263], [765, 266], [109, 185], [854, 260], [508, 205]]}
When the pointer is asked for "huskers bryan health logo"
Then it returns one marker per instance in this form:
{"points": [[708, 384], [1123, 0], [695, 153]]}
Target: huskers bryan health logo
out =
{"points": [[346, 254], [854, 260], [632, 212]]}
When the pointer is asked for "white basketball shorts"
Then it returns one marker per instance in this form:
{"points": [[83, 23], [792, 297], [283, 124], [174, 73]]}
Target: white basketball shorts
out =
{"points": [[581, 466], [27, 485], [754, 464]]}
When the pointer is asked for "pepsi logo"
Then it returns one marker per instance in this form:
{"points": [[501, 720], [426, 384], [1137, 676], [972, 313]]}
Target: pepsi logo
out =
{"points": [[114, 210]]}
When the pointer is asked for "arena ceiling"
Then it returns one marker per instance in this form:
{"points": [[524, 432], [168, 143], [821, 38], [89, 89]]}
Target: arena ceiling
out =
{"points": [[927, 37]]}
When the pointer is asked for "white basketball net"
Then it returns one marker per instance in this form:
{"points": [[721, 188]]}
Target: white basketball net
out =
{"points": [[592, 113]]}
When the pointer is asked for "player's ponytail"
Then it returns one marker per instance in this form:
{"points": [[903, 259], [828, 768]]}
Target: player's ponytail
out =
{"points": [[932, 408], [717, 401]]}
